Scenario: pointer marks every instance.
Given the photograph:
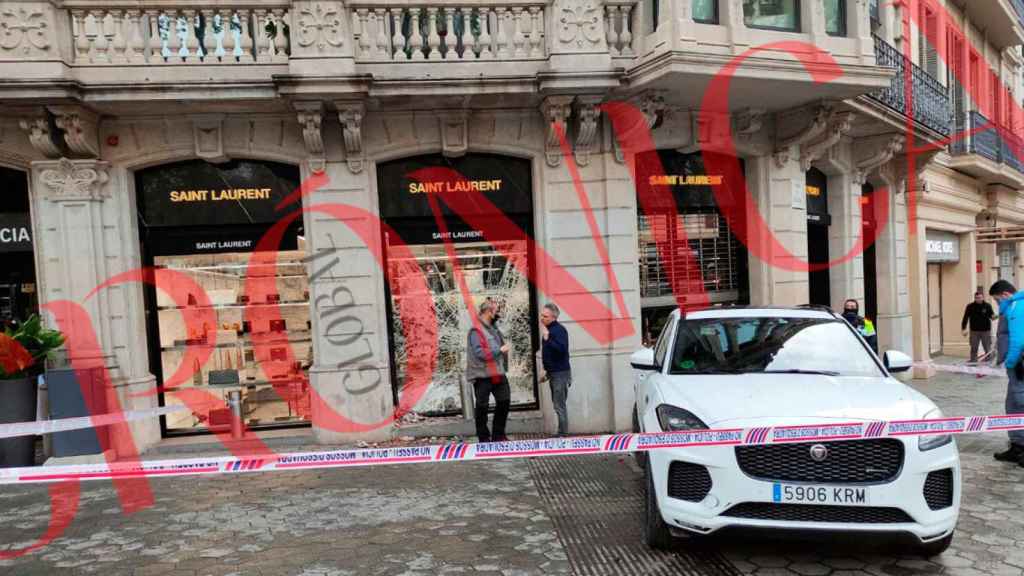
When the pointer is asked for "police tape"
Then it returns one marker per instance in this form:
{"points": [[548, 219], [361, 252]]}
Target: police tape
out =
{"points": [[466, 452], [39, 427], [968, 368]]}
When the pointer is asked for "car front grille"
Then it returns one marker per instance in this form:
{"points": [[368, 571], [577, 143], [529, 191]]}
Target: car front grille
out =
{"points": [[687, 481], [817, 513], [938, 489], [847, 462]]}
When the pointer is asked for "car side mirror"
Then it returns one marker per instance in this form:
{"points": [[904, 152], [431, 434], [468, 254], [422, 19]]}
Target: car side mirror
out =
{"points": [[896, 361], [643, 359]]}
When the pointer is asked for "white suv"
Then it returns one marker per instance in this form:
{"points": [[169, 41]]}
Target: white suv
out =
{"points": [[757, 367]]}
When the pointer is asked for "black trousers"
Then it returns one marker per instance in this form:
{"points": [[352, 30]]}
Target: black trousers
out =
{"points": [[483, 388]]}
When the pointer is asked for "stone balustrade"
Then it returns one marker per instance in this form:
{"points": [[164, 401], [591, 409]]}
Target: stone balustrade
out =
{"points": [[402, 31], [162, 33]]}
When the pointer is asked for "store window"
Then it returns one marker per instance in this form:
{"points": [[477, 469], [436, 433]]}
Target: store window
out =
{"points": [[710, 259], [705, 11], [772, 14], [18, 297], [496, 267], [835, 17], [203, 222]]}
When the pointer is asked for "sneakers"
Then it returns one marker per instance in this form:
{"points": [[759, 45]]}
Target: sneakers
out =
{"points": [[1014, 454]]}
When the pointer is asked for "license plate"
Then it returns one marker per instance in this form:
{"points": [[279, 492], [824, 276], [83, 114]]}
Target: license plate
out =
{"points": [[810, 494]]}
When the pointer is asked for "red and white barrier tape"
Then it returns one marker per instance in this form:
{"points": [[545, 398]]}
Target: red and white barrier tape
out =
{"points": [[79, 422], [968, 368], [604, 444]]}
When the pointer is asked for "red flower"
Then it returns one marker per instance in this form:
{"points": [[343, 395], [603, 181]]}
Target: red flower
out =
{"points": [[14, 358]]}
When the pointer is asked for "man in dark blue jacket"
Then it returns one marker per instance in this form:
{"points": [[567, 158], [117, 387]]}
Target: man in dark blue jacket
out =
{"points": [[555, 358]]}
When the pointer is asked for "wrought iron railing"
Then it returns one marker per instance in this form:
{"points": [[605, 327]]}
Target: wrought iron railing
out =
{"points": [[998, 144], [930, 105], [985, 142]]}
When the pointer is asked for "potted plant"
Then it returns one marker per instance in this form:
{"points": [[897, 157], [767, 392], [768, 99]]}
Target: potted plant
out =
{"points": [[23, 351]]}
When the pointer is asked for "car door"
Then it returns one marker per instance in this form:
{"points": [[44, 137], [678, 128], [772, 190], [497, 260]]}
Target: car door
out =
{"points": [[647, 381]]}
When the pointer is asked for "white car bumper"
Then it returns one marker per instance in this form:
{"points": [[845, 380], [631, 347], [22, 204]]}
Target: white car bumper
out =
{"points": [[731, 487]]}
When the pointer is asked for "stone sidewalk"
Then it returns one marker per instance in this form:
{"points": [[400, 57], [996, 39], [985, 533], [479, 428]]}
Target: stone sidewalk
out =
{"points": [[576, 515]]}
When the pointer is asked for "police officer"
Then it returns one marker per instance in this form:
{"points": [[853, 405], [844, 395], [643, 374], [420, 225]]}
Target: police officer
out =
{"points": [[863, 325]]}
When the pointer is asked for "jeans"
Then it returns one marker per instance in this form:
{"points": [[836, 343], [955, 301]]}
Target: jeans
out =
{"points": [[982, 338], [1015, 404], [482, 389], [560, 382]]}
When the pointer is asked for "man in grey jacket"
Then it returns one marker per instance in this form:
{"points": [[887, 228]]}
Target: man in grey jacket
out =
{"points": [[486, 364]]}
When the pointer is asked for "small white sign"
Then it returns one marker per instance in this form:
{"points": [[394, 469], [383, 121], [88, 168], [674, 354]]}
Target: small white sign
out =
{"points": [[799, 195]]}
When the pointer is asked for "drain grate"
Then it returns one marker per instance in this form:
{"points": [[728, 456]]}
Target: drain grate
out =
{"points": [[596, 504]]}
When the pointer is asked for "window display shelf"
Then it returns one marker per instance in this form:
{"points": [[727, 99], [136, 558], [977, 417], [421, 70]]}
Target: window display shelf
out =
{"points": [[292, 337], [236, 305]]}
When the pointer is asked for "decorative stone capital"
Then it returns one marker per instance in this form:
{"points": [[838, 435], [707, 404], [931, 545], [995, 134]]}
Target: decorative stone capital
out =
{"points": [[839, 123], [81, 129], [587, 115], [41, 132], [580, 24], [454, 133], [350, 114], [814, 124], [877, 152], [556, 110], [748, 122], [74, 180], [310, 117], [652, 105], [25, 30]]}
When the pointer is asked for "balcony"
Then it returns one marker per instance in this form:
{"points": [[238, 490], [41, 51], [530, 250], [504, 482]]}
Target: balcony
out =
{"points": [[929, 103], [990, 153], [1000, 19]]}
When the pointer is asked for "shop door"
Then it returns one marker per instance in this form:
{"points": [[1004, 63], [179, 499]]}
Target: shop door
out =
{"points": [[496, 267], [870, 270], [817, 237], [935, 309]]}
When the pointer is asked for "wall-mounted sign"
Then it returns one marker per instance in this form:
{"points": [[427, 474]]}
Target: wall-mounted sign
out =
{"points": [[15, 233], [815, 191], [407, 186], [687, 180], [692, 183], [198, 193], [941, 246]]}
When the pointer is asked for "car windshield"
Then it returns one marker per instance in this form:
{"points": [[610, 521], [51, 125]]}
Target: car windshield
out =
{"points": [[770, 345]]}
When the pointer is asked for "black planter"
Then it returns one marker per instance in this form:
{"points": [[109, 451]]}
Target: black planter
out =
{"points": [[18, 404]]}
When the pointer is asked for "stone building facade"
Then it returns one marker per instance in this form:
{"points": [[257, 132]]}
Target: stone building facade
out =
{"points": [[103, 102]]}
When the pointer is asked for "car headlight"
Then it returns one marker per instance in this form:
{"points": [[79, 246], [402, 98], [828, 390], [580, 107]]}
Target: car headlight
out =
{"points": [[931, 442], [673, 418]]}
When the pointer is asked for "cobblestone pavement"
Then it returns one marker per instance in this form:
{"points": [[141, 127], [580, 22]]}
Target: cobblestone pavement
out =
{"points": [[544, 516]]}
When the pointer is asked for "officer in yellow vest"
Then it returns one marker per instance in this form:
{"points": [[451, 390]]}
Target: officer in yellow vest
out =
{"points": [[863, 325]]}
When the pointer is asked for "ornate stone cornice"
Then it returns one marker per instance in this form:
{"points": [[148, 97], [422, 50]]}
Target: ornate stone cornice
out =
{"points": [[74, 180], [587, 115], [816, 127], [839, 123], [350, 114], [748, 122], [556, 110], [81, 129], [877, 156], [310, 117], [40, 133]]}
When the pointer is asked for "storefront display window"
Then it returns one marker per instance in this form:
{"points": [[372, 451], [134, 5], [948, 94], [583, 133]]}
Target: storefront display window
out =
{"points": [[772, 14], [202, 222], [496, 268], [18, 299]]}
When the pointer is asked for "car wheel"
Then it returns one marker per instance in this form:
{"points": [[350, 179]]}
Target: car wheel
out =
{"points": [[656, 532], [936, 547], [640, 456]]}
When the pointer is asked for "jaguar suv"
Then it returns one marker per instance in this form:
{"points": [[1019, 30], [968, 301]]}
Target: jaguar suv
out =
{"points": [[761, 367]]}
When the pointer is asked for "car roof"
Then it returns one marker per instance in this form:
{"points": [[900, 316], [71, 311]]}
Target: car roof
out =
{"points": [[758, 312]]}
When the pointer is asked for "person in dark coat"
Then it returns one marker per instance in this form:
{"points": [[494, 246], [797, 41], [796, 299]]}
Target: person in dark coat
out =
{"points": [[978, 315], [555, 358]]}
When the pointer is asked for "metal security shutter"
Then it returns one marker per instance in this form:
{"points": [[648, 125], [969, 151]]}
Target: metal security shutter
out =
{"points": [[715, 252]]}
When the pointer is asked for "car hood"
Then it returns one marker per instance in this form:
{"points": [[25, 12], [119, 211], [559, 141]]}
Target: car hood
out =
{"points": [[773, 399]]}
